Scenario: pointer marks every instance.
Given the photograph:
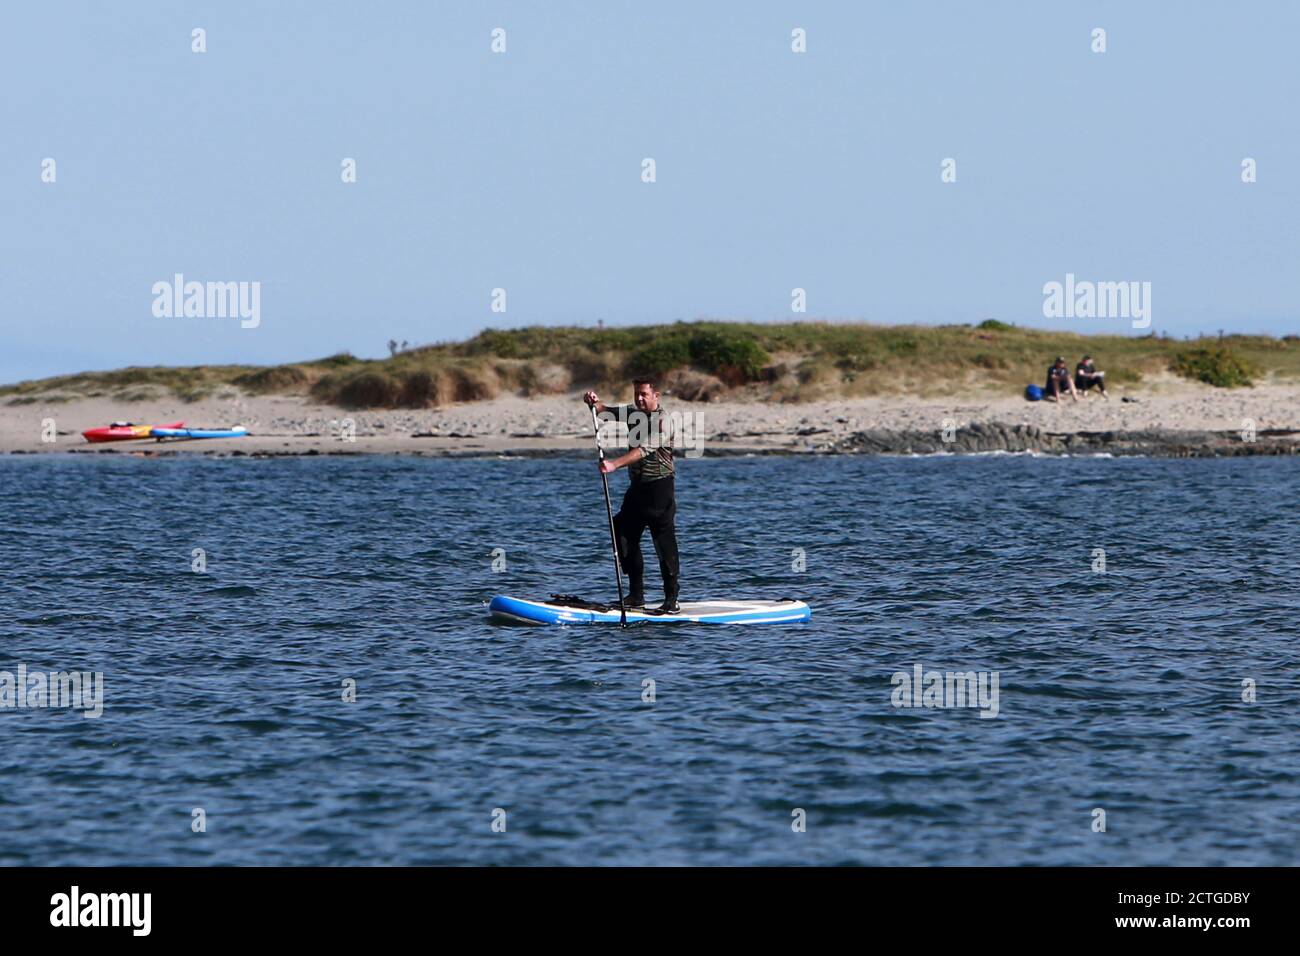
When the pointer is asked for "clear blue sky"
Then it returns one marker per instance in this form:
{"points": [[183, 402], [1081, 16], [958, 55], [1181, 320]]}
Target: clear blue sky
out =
{"points": [[522, 170]]}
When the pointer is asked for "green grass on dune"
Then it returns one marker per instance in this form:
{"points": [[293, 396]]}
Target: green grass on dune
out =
{"points": [[793, 361]]}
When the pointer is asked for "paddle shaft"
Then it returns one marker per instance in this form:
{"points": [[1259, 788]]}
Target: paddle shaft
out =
{"points": [[609, 512]]}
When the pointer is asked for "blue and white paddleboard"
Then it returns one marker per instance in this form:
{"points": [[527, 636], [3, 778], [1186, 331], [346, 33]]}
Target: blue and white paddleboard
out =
{"points": [[563, 609], [199, 432]]}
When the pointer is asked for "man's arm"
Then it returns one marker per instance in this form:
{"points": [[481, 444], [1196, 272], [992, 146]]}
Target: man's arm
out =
{"points": [[601, 408], [611, 465]]}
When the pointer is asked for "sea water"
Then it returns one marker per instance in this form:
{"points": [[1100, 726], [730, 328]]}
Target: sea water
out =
{"points": [[297, 666]]}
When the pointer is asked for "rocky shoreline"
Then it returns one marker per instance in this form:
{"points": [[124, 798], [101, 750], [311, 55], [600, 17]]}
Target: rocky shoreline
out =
{"points": [[985, 437], [1171, 419], [977, 438]]}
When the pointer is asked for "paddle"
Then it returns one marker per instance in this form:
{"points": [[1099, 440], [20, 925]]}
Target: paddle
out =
{"points": [[609, 512]]}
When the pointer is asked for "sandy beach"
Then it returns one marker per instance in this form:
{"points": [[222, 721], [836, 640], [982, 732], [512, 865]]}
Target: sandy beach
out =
{"points": [[292, 425]]}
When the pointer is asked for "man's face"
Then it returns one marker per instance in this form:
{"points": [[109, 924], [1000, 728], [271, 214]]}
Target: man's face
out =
{"points": [[647, 399]]}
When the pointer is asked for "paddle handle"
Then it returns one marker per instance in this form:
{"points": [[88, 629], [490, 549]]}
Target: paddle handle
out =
{"points": [[609, 513]]}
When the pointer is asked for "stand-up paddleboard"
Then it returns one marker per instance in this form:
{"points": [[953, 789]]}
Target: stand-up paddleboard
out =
{"points": [[566, 609], [200, 432]]}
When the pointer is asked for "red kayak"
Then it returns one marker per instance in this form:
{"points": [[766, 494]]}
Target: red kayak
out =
{"points": [[124, 431]]}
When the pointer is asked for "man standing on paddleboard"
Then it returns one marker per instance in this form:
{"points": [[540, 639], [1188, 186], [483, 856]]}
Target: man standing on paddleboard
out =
{"points": [[651, 500]]}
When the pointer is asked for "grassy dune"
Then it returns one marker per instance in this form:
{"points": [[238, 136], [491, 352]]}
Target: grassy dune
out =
{"points": [[799, 361]]}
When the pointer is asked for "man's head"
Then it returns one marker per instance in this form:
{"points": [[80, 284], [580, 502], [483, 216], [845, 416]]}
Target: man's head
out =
{"points": [[1087, 360], [646, 394], [1060, 360]]}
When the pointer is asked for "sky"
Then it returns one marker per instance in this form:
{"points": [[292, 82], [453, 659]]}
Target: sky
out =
{"points": [[522, 170]]}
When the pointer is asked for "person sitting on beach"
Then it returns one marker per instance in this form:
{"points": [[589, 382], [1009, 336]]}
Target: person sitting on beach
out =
{"points": [[1058, 381], [1086, 376]]}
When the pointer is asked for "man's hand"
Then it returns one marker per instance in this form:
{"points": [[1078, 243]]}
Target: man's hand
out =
{"points": [[610, 465], [591, 399]]}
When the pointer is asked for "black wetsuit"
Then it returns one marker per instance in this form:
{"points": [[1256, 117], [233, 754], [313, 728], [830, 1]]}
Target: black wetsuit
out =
{"points": [[650, 502]]}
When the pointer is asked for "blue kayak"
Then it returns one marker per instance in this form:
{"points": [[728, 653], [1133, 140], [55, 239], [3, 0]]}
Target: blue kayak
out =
{"points": [[566, 609], [199, 432]]}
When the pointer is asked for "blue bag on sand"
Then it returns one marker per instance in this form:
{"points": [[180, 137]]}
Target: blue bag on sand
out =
{"points": [[1033, 393]]}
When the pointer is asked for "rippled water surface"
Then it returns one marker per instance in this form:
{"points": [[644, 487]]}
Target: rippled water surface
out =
{"points": [[223, 690]]}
